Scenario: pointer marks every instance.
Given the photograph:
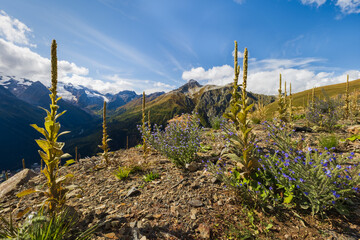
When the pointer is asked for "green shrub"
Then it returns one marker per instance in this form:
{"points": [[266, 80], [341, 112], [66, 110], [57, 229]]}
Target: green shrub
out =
{"points": [[328, 142], [39, 226], [313, 180], [151, 176], [122, 173], [179, 141]]}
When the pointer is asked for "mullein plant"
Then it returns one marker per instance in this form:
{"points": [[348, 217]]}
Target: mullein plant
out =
{"points": [[347, 99], [52, 152], [259, 115], [246, 136], [354, 104], [312, 99], [290, 107], [281, 103], [145, 149], [235, 98], [240, 138], [105, 139]]}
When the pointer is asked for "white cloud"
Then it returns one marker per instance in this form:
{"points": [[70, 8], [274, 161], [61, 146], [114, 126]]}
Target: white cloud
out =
{"points": [[349, 6], [263, 76], [346, 6], [267, 82], [310, 2], [22, 62], [285, 63], [13, 30], [217, 75], [118, 83]]}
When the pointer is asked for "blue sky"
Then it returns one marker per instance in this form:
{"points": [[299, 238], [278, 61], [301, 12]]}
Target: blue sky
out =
{"points": [[157, 45]]}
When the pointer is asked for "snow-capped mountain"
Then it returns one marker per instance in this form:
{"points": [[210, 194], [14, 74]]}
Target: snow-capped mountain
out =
{"points": [[87, 99]]}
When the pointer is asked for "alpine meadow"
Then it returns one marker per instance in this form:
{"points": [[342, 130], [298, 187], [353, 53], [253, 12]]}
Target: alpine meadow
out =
{"points": [[230, 119]]}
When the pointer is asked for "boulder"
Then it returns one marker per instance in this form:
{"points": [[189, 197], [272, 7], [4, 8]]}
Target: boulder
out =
{"points": [[12, 184]]}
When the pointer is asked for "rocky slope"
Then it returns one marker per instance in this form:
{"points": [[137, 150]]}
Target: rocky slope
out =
{"points": [[181, 204]]}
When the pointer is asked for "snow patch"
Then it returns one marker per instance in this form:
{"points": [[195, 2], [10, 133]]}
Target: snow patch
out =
{"points": [[62, 92], [94, 94]]}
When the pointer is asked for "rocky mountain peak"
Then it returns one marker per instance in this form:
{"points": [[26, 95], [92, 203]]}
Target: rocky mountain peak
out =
{"points": [[189, 87]]}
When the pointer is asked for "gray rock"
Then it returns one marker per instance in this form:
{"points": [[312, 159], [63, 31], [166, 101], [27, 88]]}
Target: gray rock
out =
{"points": [[195, 203], [133, 192], [12, 184]]}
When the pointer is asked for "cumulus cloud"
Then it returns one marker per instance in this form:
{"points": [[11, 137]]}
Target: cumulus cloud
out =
{"points": [[22, 62], [118, 83], [17, 59], [346, 6], [13, 30], [263, 75], [267, 82], [349, 6], [217, 75]]}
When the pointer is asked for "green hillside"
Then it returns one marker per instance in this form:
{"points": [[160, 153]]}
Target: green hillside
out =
{"points": [[300, 99]]}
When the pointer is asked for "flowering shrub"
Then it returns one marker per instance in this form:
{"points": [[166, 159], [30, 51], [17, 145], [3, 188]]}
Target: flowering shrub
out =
{"points": [[291, 177], [179, 141], [324, 113], [312, 179]]}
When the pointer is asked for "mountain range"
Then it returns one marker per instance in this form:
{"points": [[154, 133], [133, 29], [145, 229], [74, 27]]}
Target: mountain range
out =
{"points": [[19, 107]]}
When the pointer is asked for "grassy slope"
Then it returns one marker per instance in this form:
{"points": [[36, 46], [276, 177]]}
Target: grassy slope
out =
{"points": [[124, 121], [300, 98]]}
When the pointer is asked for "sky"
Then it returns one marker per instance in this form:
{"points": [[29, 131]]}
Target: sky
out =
{"points": [[158, 45]]}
